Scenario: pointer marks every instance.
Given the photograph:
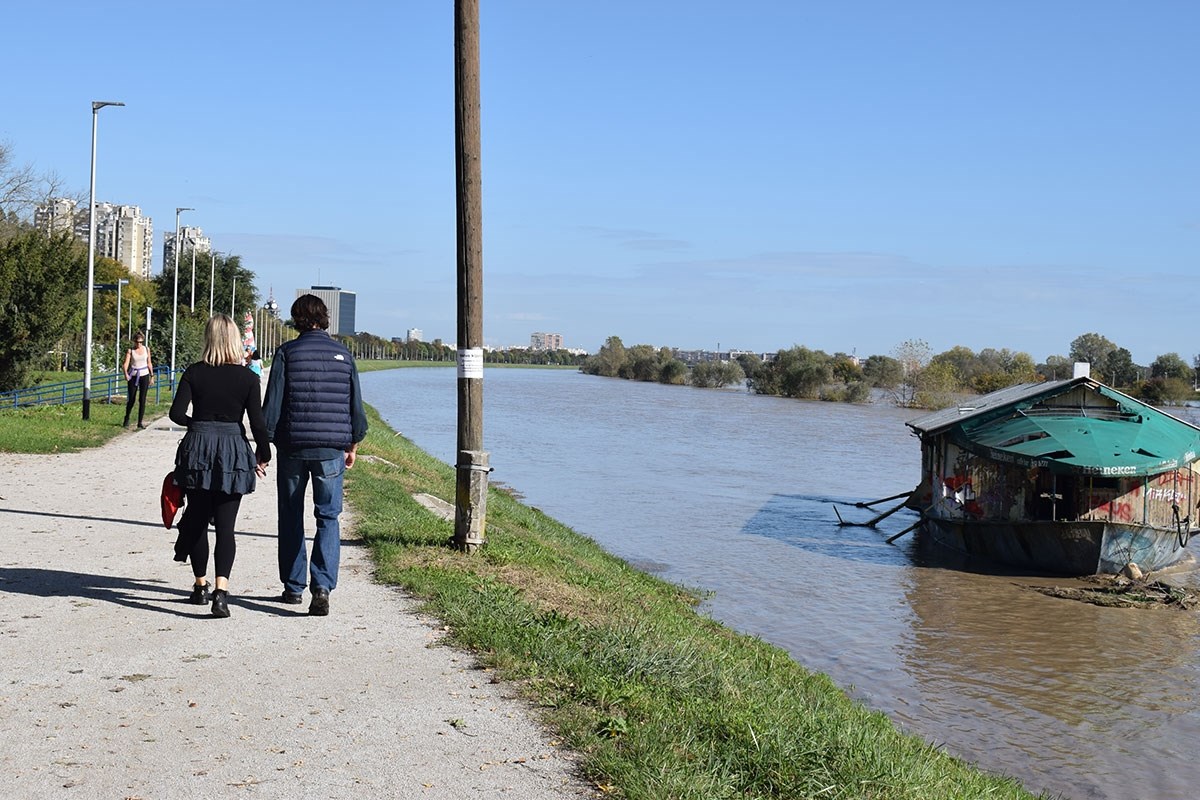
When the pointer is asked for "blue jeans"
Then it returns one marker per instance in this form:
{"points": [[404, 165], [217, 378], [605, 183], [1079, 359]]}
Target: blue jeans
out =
{"points": [[292, 480]]}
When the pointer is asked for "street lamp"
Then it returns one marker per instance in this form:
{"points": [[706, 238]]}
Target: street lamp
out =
{"points": [[212, 278], [192, 305], [117, 352], [91, 277], [175, 297]]}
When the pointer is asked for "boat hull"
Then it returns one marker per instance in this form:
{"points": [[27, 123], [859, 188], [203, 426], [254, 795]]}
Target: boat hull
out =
{"points": [[1064, 548]]}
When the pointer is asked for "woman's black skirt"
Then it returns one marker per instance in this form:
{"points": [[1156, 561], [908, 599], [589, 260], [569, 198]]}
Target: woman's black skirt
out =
{"points": [[215, 456]]}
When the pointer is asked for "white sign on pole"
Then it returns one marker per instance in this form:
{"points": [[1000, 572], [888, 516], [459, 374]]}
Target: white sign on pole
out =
{"points": [[470, 362]]}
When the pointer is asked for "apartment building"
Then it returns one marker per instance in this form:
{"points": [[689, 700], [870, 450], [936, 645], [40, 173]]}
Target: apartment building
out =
{"points": [[122, 233], [190, 238], [546, 341]]}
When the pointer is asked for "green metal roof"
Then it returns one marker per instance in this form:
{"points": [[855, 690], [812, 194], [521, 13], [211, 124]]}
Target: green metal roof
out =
{"points": [[1131, 439]]}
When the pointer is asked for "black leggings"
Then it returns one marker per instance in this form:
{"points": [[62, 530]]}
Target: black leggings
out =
{"points": [[137, 388], [204, 505]]}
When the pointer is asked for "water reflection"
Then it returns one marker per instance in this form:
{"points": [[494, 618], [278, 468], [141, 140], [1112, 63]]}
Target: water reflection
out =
{"points": [[732, 493]]}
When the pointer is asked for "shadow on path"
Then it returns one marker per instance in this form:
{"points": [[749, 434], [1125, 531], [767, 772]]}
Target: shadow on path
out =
{"points": [[144, 595], [116, 520], [81, 516]]}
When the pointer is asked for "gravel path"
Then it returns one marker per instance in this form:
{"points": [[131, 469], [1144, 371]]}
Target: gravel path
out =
{"points": [[112, 686]]}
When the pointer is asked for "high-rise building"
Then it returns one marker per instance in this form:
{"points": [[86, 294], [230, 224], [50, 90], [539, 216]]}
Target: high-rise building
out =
{"points": [[190, 237], [545, 341], [341, 307], [415, 334], [56, 216], [122, 233]]}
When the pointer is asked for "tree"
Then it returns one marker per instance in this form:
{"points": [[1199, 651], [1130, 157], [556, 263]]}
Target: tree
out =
{"points": [[1117, 368], [913, 356], [41, 299], [1056, 368], [1170, 365], [21, 188], [937, 386], [673, 372], [965, 363], [794, 372], [716, 374], [883, 372], [845, 368], [1001, 368], [609, 360], [642, 363], [1092, 348]]}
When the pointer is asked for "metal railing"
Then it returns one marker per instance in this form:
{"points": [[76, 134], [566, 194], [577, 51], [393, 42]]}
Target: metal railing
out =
{"points": [[108, 385]]}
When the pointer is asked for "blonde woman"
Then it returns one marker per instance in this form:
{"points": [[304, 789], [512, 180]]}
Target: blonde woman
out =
{"points": [[138, 371], [214, 463]]}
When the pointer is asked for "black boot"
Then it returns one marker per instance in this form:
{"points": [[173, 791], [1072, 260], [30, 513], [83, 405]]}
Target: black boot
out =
{"points": [[220, 603], [200, 595]]}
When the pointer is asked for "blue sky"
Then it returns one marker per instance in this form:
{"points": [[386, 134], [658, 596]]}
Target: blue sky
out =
{"points": [[845, 176]]}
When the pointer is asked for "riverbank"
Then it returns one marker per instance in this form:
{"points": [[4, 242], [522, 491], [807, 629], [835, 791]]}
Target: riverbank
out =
{"points": [[659, 700]]}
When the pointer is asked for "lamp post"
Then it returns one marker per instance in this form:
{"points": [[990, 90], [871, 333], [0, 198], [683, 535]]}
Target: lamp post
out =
{"points": [[117, 351], [270, 318], [233, 296], [212, 278], [175, 296], [192, 305], [91, 276]]}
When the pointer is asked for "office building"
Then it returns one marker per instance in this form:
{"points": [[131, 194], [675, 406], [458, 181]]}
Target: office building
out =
{"points": [[415, 335], [341, 307]]}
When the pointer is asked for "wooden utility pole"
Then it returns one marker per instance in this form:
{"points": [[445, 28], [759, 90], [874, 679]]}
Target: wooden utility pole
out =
{"points": [[470, 499]]}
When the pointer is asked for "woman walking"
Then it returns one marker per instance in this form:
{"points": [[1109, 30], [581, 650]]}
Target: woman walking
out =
{"points": [[138, 370], [214, 463]]}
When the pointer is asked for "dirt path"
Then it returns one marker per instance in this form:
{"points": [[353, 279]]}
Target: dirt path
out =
{"points": [[112, 686]]}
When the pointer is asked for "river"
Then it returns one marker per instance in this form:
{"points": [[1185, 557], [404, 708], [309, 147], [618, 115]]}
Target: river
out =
{"points": [[732, 494]]}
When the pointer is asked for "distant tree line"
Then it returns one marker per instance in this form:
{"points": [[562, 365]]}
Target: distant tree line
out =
{"points": [[523, 355], [369, 346], [911, 376]]}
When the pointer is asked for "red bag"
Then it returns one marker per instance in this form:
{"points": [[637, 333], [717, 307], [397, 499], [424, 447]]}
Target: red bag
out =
{"points": [[171, 500]]}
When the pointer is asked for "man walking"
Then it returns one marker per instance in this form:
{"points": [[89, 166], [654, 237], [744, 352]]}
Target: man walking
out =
{"points": [[315, 419]]}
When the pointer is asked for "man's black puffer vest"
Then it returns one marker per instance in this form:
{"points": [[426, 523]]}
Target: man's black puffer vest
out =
{"points": [[316, 400]]}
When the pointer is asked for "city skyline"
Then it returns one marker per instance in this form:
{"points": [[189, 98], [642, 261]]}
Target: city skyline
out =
{"points": [[843, 177]]}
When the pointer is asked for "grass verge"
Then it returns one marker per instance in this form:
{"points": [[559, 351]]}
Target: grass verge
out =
{"points": [[661, 701], [62, 429]]}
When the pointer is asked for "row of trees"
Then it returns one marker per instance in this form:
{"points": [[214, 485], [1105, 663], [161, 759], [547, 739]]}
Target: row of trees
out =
{"points": [[912, 375]]}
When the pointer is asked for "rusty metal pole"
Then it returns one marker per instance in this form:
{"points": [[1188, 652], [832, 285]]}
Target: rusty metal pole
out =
{"points": [[470, 498]]}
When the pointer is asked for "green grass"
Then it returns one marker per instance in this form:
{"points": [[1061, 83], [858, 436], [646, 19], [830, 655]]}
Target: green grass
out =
{"points": [[662, 702], [373, 364], [62, 429]]}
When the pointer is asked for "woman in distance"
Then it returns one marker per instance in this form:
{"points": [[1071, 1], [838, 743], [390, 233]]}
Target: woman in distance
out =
{"points": [[214, 463], [138, 370]]}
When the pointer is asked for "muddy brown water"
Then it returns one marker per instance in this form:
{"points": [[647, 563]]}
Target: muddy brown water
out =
{"points": [[733, 494]]}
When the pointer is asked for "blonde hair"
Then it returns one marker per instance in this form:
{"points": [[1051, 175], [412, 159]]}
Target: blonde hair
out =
{"points": [[222, 342]]}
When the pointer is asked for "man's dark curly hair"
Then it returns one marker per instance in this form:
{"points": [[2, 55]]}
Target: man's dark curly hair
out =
{"points": [[309, 313]]}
